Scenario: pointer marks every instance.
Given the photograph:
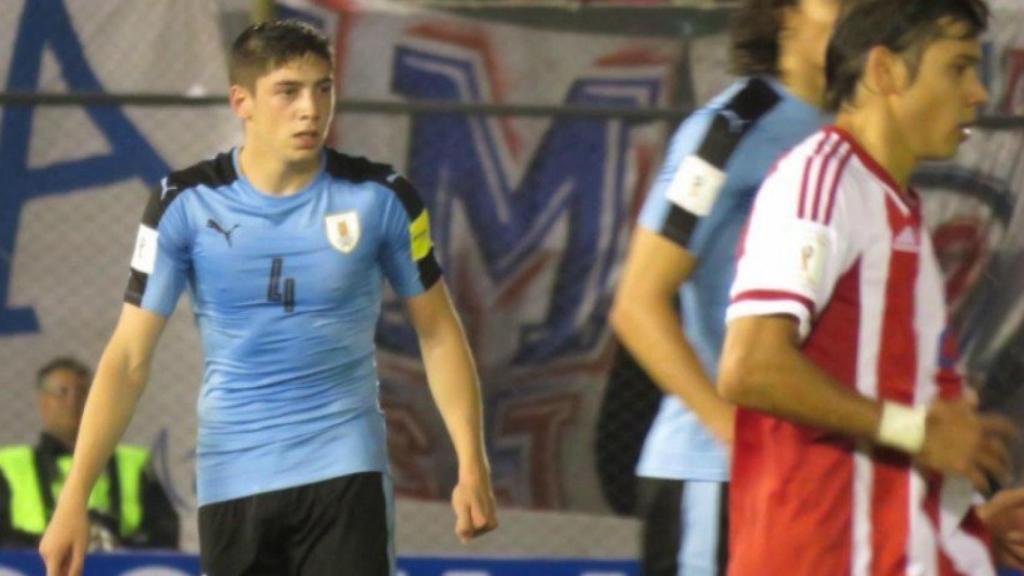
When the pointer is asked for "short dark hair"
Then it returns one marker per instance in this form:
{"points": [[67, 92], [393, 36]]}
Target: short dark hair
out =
{"points": [[263, 47], [756, 27], [63, 363], [905, 27]]}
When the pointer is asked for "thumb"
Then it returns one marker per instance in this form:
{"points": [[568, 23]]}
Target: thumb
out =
{"points": [[479, 515], [1011, 496], [463, 519]]}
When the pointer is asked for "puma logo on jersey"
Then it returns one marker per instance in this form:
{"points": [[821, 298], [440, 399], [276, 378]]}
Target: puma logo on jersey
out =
{"points": [[213, 224], [165, 188], [736, 123]]}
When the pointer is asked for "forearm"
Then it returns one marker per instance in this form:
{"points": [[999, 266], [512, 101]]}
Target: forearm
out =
{"points": [[650, 330], [452, 376], [108, 410]]}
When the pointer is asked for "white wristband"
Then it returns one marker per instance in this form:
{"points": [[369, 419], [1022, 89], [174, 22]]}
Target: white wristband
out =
{"points": [[902, 427]]}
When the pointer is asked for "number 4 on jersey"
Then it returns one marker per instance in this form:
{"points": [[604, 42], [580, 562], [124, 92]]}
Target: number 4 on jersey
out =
{"points": [[274, 293]]}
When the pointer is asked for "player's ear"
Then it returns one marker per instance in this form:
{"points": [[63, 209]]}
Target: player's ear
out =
{"points": [[241, 99], [886, 73]]}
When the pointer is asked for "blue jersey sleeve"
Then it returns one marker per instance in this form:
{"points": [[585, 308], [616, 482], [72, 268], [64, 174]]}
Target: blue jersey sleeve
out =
{"points": [[699, 165], [661, 213], [161, 260], [407, 251]]}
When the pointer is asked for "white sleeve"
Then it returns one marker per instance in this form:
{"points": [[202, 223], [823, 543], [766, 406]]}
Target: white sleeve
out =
{"points": [[797, 245]]}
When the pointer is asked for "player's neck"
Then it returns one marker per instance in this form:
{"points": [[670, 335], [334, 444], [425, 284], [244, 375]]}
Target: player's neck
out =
{"points": [[877, 134], [272, 175], [802, 79]]}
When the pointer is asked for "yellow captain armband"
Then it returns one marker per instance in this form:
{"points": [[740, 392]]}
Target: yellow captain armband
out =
{"points": [[419, 236]]}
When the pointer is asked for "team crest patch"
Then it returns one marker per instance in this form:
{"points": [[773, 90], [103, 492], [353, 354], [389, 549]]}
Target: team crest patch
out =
{"points": [[343, 231]]}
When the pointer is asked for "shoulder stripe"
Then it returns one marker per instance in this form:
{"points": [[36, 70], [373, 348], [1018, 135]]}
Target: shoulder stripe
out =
{"points": [[806, 175], [735, 119], [700, 177], [358, 170], [216, 172], [835, 186], [826, 169], [354, 169], [802, 208]]}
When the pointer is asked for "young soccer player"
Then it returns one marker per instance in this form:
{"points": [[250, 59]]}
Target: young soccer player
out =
{"points": [[684, 247], [848, 446], [284, 246]]}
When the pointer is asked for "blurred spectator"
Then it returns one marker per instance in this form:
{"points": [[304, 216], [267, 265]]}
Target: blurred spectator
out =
{"points": [[128, 507]]}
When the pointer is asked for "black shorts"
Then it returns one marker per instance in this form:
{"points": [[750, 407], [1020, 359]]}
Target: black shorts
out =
{"points": [[341, 526]]}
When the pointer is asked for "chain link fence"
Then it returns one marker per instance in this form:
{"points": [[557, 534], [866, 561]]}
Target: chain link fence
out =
{"points": [[533, 151]]}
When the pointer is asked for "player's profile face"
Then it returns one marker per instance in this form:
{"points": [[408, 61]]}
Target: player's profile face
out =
{"points": [[292, 108], [941, 104]]}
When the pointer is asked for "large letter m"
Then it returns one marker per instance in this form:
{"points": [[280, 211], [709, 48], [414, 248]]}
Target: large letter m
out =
{"points": [[570, 203]]}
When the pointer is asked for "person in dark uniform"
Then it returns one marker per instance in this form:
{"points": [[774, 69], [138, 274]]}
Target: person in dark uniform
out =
{"points": [[127, 508]]}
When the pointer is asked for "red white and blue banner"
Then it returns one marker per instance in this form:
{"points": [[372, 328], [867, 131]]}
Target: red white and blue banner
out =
{"points": [[531, 215]]}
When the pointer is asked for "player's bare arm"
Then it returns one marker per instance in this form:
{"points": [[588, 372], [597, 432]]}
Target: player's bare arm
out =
{"points": [[120, 379], [763, 369], [649, 327], [452, 376]]}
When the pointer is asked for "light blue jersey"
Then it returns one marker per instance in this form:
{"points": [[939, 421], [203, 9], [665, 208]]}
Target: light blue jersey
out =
{"points": [[701, 199], [286, 292]]}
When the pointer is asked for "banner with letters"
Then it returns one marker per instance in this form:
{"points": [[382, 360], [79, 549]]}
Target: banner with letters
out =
{"points": [[530, 215]]}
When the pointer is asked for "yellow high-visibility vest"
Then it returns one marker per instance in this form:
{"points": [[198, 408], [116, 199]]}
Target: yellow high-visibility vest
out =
{"points": [[28, 507]]}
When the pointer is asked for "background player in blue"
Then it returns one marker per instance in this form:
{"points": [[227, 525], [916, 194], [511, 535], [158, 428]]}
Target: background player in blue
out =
{"points": [[284, 246], [685, 247]]}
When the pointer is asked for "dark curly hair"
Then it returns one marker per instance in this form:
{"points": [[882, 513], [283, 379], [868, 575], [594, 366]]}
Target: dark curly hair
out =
{"points": [[905, 27], [756, 26], [265, 46]]}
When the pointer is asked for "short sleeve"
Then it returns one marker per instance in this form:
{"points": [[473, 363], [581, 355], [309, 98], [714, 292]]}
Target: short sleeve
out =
{"points": [[685, 187], [696, 169], [407, 250], [798, 243], [161, 259]]}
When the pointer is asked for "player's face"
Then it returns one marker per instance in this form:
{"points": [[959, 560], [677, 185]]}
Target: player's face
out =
{"points": [[61, 402], [292, 108], [936, 109]]}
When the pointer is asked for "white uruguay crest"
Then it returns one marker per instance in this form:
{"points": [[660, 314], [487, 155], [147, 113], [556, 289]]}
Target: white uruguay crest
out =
{"points": [[343, 230]]}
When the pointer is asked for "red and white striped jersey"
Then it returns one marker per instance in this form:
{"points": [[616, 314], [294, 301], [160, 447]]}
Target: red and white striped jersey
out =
{"points": [[833, 242]]}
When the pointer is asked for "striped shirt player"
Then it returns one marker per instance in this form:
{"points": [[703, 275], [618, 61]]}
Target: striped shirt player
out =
{"points": [[700, 201], [833, 243], [286, 293]]}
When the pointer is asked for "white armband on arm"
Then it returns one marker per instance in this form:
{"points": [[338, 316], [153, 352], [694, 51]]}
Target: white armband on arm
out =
{"points": [[902, 427]]}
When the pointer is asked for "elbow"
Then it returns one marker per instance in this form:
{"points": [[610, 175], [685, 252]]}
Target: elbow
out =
{"points": [[737, 379], [617, 316], [623, 317]]}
